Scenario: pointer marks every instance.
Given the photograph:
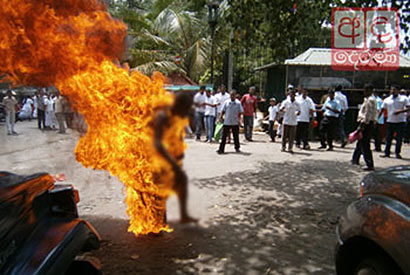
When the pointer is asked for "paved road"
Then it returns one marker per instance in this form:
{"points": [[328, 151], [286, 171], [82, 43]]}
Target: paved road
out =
{"points": [[262, 211]]}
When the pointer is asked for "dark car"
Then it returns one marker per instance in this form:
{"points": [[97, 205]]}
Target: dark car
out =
{"points": [[374, 232], [40, 232]]}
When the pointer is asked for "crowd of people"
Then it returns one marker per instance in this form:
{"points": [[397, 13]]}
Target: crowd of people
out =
{"points": [[293, 119], [227, 108], [52, 111]]}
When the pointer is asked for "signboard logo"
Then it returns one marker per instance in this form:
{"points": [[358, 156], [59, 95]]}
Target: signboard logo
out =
{"points": [[365, 39]]}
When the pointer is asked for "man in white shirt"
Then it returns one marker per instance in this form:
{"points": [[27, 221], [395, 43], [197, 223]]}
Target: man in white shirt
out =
{"points": [[221, 97], [291, 110], [342, 99], [396, 106], [307, 107], [329, 123], [51, 121], [273, 111], [232, 110], [210, 104], [199, 103]]}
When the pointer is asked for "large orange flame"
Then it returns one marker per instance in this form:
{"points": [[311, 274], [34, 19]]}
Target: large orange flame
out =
{"points": [[71, 44]]}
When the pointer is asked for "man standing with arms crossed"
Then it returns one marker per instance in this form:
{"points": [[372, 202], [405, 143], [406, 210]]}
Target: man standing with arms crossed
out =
{"points": [[249, 112], [199, 102], [232, 109]]}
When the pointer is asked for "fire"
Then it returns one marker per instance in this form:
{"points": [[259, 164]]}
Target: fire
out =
{"points": [[72, 44]]}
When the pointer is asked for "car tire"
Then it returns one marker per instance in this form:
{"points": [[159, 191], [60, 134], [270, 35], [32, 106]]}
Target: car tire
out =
{"points": [[377, 265]]}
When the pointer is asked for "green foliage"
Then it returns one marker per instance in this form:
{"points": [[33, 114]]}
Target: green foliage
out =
{"points": [[263, 31], [278, 25], [267, 31], [162, 30], [404, 10]]}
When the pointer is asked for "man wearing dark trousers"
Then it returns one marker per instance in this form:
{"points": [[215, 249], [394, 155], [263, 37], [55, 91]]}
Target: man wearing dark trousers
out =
{"points": [[330, 122], [396, 106], [232, 110], [367, 118], [342, 99], [378, 126], [41, 117], [249, 104]]}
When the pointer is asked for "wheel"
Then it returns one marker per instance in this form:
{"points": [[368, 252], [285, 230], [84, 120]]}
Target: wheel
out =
{"points": [[377, 265]]}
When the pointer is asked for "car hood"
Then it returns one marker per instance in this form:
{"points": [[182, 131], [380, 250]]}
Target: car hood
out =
{"points": [[392, 182]]}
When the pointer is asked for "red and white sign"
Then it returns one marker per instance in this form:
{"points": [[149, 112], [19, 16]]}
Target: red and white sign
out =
{"points": [[365, 39]]}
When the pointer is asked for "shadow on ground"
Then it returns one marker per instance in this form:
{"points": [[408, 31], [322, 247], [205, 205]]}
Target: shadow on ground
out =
{"points": [[278, 220]]}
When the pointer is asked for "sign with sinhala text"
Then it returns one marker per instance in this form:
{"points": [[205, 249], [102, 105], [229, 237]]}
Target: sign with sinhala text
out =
{"points": [[365, 39]]}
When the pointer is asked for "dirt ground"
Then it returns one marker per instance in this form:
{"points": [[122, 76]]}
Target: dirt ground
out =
{"points": [[261, 211]]}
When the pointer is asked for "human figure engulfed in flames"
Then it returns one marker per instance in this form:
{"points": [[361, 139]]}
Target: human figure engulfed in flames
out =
{"points": [[163, 123], [70, 44]]}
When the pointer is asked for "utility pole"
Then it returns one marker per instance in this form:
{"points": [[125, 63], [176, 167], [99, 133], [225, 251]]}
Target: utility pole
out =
{"points": [[213, 7], [230, 63]]}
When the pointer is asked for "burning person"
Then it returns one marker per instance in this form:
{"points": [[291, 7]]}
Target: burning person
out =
{"points": [[124, 112], [163, 123]]}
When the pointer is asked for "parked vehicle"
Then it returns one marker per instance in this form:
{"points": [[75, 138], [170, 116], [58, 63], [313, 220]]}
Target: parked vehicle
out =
{"points": [[374, 232], [40, 232]]}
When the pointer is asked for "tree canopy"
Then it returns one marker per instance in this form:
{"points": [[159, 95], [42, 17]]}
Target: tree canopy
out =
{"points": [[174, 35]]}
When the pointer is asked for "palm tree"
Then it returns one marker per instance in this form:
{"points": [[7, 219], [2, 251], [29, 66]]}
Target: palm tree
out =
{"points": [[163, 30]]}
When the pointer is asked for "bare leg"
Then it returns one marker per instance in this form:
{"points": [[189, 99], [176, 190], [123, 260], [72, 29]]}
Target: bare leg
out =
{"points": [[182, 193]]}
